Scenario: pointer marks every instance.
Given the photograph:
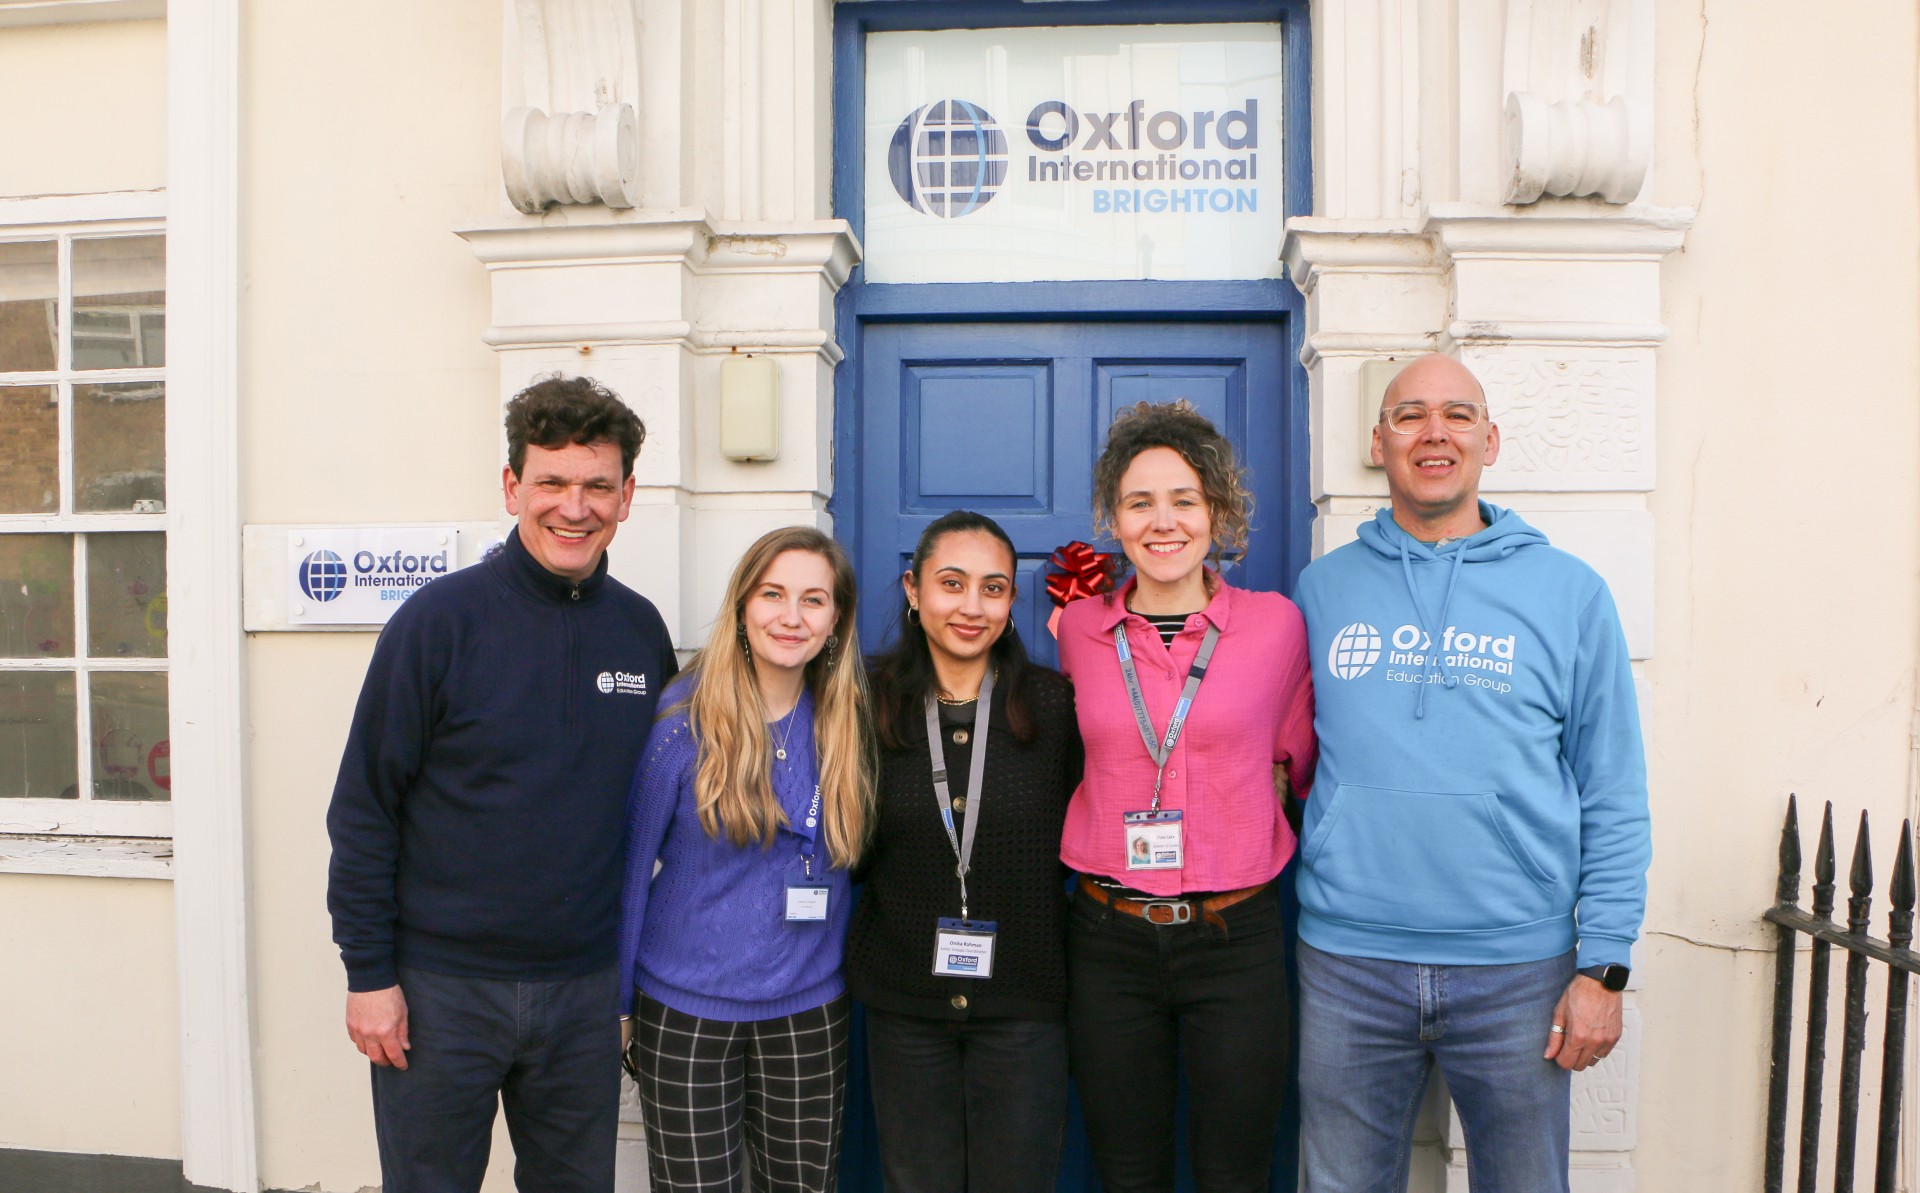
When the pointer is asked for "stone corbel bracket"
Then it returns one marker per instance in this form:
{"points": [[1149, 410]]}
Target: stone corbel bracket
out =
{"points": [[569, 133], [1578, 77], [572, 157], [1574, 148]]}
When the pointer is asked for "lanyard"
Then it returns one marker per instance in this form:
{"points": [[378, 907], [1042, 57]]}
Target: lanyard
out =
{"points": [[808, 830], [976, 773], [1162, 750]]}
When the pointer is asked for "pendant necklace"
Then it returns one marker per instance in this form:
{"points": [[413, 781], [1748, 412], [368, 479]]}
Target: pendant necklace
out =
{"points": [[780, 747]]}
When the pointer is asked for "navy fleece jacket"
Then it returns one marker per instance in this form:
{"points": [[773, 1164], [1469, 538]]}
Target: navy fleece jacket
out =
{"points": [[479, 816]]}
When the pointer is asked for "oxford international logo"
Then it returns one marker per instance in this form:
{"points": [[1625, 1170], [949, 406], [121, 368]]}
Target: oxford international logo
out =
{"points": [[1355, 650], [323, 576], [948, 158], [626, 683]]}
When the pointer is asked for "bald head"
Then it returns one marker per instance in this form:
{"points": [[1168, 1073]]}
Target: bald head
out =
{"points": [[1436, 376], [1433, 455]]}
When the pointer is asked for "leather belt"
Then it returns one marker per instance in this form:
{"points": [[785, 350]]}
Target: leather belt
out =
{"points": [[1171, 911]]}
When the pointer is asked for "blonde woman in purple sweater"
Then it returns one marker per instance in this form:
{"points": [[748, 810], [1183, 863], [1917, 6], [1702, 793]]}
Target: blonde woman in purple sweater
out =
{"points": [[754, 796]]}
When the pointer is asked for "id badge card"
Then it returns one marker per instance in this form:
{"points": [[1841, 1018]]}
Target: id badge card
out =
{"points": [[1153, 840], [806, 900], [963, 948]]}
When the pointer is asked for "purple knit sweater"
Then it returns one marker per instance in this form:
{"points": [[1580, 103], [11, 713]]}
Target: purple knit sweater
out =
{"points": [[708, 934]]}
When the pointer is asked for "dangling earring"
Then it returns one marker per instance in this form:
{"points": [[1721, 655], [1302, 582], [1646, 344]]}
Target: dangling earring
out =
{"points": [[913, 615], [833, 644], [740, 632]]}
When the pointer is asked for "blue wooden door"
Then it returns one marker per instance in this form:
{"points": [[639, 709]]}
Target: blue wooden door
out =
{"points": [[1006, 419]]}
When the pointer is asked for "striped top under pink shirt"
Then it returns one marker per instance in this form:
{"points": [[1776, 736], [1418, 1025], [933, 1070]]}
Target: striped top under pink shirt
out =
{"points": [[1254, 709]]}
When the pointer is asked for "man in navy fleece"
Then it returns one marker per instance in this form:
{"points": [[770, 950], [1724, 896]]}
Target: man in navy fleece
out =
{"points": [[479, 818], [1474, 855]]}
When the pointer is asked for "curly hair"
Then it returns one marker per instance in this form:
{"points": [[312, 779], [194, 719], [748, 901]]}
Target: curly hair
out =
{"points": [[1176, 425], [555, 411]]}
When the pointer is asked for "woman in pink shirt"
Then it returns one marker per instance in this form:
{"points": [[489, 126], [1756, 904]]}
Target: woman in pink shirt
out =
{"points": [[1174, 946]]}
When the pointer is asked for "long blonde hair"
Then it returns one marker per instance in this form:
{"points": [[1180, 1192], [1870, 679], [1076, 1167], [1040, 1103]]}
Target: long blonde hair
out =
{"points": [[733, 777]]}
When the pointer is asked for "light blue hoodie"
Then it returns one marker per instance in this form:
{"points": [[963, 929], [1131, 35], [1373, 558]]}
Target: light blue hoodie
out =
{"points": [[1482, 795]]}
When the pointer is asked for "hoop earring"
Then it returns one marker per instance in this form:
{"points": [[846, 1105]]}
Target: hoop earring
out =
{"points": [[740, 632], [913, 615], [833, 645]]}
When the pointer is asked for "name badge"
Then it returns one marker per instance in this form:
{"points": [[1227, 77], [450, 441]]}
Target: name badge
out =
{"points": [[1153, 840], [964, 948], [806, 903]]}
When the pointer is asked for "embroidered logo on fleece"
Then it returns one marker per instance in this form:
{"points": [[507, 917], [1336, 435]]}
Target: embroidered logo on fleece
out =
{"points": [[625, 683]]}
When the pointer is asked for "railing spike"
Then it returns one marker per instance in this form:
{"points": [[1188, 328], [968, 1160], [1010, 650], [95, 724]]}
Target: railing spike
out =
{"points": [[1893, 1045], [1900, 891], [1823, 867], [1860, 879], [1787, 893]]}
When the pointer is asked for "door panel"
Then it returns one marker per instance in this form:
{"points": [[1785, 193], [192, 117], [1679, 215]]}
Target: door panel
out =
{"points": [[1006, 419]]}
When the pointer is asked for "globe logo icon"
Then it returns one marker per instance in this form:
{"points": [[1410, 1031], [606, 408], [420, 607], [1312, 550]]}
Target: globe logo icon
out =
{"points": [[1354, 651], [948, 158], [323, 576], [605, 682]]}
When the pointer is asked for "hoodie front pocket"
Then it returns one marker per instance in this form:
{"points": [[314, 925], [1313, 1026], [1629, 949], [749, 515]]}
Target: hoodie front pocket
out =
{"points": [[1431, 861]]}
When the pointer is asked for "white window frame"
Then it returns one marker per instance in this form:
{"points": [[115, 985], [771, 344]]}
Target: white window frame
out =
{"points": [[84, 835], [20, 13]]}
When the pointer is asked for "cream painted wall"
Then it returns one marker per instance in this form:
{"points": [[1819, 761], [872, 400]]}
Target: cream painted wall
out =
{"points": [[1788, 522], [83, 108], [370, 135], [92, 1059], [368, 396]]}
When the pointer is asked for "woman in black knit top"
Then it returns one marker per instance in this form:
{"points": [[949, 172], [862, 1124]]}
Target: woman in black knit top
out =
{"points": [[969, 1072]]}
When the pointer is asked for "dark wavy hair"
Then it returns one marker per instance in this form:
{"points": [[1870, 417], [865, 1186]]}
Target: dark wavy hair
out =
{"points": [[901, 676], [555, 411], [1179, 426]]}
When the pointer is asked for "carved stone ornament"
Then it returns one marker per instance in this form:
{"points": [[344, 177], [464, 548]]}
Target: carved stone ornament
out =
{"points": [[1575, 147], [1578, 76], [569, 78], [574, 157]]}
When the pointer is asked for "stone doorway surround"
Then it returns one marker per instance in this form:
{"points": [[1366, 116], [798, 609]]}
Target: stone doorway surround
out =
{"points": [[1481, 170], [1481, 174]]}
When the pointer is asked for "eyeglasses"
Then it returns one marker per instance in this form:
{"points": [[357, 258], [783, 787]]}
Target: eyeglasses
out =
{"points": [[1410, 418]]}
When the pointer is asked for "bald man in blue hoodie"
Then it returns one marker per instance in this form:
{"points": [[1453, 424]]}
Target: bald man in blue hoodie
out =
{"points": [[1474, 857]]}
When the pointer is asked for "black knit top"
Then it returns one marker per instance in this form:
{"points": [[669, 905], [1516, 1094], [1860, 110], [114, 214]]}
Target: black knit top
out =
{"points": [[1016, 880]]}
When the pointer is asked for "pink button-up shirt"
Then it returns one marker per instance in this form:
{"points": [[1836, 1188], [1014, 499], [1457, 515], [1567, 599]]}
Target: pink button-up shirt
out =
{"points": [[1254, 709]]}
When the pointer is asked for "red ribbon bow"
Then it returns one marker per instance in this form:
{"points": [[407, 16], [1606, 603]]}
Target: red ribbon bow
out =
{"points": [[1084, 572]]}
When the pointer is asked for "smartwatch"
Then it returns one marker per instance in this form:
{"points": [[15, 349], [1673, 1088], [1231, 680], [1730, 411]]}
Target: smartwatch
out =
{"points": [[1613, 977]]}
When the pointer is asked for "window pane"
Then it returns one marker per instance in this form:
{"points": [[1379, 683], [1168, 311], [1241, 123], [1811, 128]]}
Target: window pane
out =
{"points": [[130, 735], [120, 447], [36, 596], [127, 596], [29, 286], [29, 449], [38, 755], [119, 299]]}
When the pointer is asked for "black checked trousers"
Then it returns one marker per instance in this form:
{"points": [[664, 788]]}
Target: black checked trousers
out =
{"points": [[717, 1096]]}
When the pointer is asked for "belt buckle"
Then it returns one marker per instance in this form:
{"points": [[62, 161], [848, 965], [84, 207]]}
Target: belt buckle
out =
{"points": [[1179, 910]]}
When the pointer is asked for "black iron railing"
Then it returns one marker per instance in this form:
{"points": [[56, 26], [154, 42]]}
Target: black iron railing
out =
{"points": [[1862, 950]]}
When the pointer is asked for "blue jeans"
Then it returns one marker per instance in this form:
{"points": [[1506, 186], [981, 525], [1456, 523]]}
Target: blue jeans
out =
{"points": [[1372, 1031], [968, 1105], [549, 1050]]}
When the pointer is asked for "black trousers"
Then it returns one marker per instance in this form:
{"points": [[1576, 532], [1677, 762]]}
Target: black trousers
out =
{"points": [[718, 1096], [968, 1106], [1147, 1003], [548, 1050]]}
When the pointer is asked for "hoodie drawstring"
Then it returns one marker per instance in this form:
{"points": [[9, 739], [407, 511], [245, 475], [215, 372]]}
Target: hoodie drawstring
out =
{"points": [[1427, 627]]}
